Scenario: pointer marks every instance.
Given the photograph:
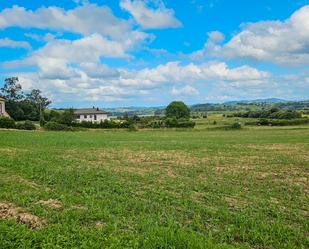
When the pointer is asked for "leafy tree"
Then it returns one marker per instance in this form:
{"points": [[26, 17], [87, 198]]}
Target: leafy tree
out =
{"points": [[35, 97], [177, 109], [19, 106], [12, 90]]}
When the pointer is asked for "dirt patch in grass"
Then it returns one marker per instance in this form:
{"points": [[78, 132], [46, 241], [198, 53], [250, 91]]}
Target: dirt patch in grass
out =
{"points": [[294, 150], [11, 151], [197, 196], [79, 207], [9, 211], [139, 162], [7, 176], [98, 225], [235, 202], [238, 164], [51, 203]]}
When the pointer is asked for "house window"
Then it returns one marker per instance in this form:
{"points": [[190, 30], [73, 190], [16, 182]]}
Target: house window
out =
{"points": [[95, 117], [90, 116], [85, 116]]}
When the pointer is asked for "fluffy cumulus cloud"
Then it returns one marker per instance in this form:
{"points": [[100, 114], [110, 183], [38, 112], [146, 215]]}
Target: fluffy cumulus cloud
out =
{"points": [[151, 18], [94, 81], [281, 42], [174, 72], [185, 91], [86, 19], [6, 42]]}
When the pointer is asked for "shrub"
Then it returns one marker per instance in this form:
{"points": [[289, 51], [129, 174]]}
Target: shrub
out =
{"points": [[179, 123], [27, 125], [7, 123], [67, 117], [272, 114], [263, 121], [185, 124], [133, 127], [42, 120], [235, 125], [54, 126], [280, 122]]}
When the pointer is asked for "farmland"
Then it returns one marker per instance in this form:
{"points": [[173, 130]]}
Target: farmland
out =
{"points": [[201, 188]]}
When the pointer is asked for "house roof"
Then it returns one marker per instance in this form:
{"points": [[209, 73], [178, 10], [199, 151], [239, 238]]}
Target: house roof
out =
{"points": [[89, 111], [1, 98]]}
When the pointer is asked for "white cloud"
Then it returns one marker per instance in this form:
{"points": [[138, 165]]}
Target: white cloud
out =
{"points": [[281, 42], [60, 53], [41, 38], [150, 18], [86, 19], [6, 42], [174, 72], [96, 82], [185, 91]]}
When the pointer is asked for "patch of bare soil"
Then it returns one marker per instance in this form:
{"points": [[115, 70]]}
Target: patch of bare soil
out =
{"points": [[294, 150], [8, 176], [140, 162], [11, 151], [234, 165], [51, 203], [79, 207], [235, 202], [9, 211], [98, 225]]}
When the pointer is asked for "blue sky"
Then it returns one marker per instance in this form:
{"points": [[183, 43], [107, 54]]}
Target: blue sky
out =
{"points": [[149, 52]]}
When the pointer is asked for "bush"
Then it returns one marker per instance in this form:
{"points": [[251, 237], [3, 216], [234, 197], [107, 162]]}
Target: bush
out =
{"points": [[179, 123], [280, 122], [133, 127], [272, 114], [54, 126], [42, 120], [27, 125], [235, 125], [67, 117], [7, 123]]}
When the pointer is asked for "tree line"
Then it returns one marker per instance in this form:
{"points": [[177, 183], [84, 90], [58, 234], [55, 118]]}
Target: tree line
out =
{"points": [[21, 106]]}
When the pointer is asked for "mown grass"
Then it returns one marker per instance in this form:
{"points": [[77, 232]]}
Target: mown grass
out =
{"points": [[156, 189]]}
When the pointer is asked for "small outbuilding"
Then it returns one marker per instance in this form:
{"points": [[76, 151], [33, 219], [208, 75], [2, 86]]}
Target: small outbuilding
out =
{"points": [[94, 115], [3, 113]]}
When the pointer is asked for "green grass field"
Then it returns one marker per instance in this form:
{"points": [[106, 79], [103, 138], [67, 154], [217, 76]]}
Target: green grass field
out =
{"points": [[155, 189]]}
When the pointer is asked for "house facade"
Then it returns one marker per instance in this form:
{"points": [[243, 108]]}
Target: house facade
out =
{"points": [[2, 108], [94, 115]]}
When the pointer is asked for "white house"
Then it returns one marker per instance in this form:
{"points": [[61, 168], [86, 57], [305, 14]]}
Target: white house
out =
{"points": [[2, 108], [90, 115]]}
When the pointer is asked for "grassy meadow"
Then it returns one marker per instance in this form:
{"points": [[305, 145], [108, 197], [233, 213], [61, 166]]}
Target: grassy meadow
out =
{"points": [[201, 188]]}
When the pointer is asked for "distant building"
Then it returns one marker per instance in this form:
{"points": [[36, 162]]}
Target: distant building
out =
{"points": [[90, 115], [2, 108]]}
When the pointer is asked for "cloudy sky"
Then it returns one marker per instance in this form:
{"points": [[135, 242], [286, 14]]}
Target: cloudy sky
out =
{"points": [[148, 52]]}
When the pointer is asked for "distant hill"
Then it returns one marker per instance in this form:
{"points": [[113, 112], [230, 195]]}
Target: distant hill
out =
{"points": [[270, 100], [240, 105], [132, 111]]}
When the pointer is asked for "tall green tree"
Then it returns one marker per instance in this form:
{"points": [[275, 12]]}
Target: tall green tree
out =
{"points": [[35, 96], [19, 106], [177, 109], [12, 90]]}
